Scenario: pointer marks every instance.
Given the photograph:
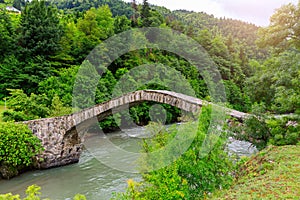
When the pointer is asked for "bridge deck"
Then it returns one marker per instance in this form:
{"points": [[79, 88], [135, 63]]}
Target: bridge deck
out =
{"points": [[59, 135]]}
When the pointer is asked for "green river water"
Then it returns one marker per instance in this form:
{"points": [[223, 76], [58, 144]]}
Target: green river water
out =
{"points": [[90, 177]]}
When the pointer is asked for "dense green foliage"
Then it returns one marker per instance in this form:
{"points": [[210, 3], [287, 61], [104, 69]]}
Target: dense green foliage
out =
{"points": [[285, 131], [117, 7], [276, 83], [193, 175], [17, 148], [23, 145], [42, 77], [33, 193], [41, 51], [40, 31], [283, 32], [34, 106], [6, 35], [239, 35], [80, 30], [262, 131]]}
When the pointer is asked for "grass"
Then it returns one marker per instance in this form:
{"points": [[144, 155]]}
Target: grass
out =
{"points": [[273, 173]]}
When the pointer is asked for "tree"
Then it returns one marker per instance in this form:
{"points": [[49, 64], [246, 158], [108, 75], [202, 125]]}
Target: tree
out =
{"points": [[24, 107], [105, 21], [205, 39], [57, 108], [40, 31], [145, 14], [276, 83], [7, 33], [286, 81], [121, 24], [284, 29], [10, 69], [60, 85], [135, 16], [193, 175], [97, 25], [15, 74]]}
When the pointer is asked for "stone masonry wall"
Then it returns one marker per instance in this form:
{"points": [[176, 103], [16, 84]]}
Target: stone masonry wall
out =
{"points": [[60, 136]]}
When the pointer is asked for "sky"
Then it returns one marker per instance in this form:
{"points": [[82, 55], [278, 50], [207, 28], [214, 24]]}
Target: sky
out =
{"points": [[253, 11]]}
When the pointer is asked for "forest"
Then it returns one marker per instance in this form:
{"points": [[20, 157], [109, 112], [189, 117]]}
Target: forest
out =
{"points": [[43, 48]]}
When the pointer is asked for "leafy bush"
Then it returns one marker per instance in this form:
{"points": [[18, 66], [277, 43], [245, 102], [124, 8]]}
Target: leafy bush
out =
{"points": [[10, 115], [262, 131], [17, 147], [284, 131], [235, 96], [24, 107], [254, 130], [33, 193], [193, 175]]}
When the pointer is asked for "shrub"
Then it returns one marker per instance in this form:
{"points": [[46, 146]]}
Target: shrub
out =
{"points": [[193, 175], [17, 147], [262, 131], [10, 115], [33, 193], [284, 131], [255, 130]]}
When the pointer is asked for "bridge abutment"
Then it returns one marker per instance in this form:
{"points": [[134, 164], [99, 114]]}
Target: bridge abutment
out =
{"points": [[61, 146], [61, 136]]}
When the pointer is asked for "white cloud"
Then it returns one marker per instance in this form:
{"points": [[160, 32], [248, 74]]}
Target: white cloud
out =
{"points": [[255, 11]]}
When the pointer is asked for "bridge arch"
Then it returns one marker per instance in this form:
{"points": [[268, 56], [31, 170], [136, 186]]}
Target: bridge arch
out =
{"points": [[59, 135]]}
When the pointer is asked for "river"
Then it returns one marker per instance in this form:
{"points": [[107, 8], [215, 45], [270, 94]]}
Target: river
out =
{"points": [[90, 177]]}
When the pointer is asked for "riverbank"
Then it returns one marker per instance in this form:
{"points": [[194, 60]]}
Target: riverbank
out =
{"points": [[273, 173]]}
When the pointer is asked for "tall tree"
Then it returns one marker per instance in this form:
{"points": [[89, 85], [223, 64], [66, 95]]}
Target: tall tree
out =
{"points": [[134, 17], [97, 25], [40, 31], [145, 14], [284, 29], [276, 83], [7, 33], [121, 24]]}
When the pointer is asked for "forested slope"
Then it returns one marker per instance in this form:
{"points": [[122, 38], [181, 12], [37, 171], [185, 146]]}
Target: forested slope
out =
{"points": [[42, 49]]}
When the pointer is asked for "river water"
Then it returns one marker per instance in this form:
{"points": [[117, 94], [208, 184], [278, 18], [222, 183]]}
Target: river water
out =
{"points": [[90, 177]]}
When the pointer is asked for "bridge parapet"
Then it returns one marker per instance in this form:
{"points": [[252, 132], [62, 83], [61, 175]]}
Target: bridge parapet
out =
{"points": [[60, 136]]}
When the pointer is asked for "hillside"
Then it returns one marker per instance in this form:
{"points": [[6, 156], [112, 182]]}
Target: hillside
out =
{"points": [[43, 49], [117, 7], [273, 173], [242, 32]]}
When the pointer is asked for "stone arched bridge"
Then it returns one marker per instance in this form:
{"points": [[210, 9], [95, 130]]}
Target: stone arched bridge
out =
{"points": [[60, 135]]}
